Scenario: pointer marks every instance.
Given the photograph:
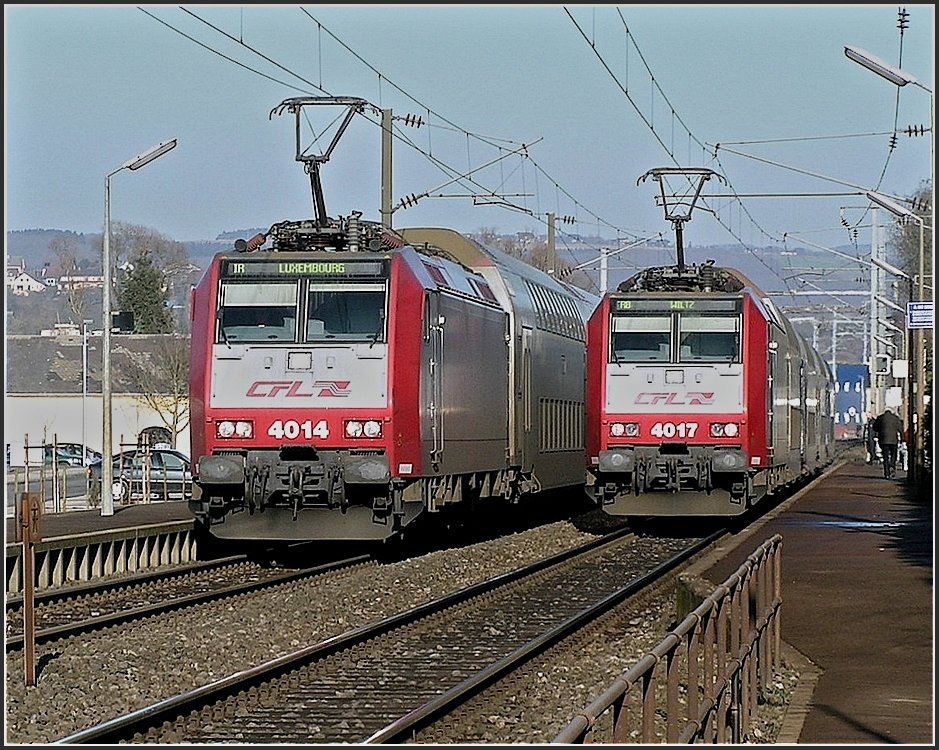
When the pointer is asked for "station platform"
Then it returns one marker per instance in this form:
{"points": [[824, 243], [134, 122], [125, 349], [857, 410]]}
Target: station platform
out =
{"points": [[76, 546], [80, 522], [857, 605]]}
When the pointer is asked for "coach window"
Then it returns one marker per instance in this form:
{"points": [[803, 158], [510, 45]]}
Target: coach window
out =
{"points": [[641, 338], [258, 312], [709, 338], [352, 312]]}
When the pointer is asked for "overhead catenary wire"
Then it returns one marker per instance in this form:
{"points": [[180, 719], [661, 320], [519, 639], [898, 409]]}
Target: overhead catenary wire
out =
{"points": [[447, 169], [475, 189], [649, 124]]}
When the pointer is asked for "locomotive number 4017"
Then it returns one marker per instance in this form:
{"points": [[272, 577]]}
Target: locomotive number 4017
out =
{"points": [[670, 429]]}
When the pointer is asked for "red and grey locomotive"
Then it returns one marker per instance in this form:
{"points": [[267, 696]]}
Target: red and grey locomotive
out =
{"points": [[701, 396], [346, 378]]}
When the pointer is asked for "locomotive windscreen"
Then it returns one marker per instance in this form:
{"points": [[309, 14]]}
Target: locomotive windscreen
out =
{"points": [[302, 301], [675, 330]]}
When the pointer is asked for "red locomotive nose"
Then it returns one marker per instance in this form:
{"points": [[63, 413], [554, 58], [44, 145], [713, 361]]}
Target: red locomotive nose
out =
{"points": [[689, 405], [346, 379]]}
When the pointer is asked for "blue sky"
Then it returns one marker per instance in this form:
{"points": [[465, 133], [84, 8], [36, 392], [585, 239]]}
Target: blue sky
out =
{"points": [[89, 87]]}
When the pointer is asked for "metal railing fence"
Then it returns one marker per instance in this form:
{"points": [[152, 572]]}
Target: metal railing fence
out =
{"points": [[703, 680]]}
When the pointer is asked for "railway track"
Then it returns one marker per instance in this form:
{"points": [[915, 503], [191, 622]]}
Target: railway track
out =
{"points": [[74, 610], [384, 681]]}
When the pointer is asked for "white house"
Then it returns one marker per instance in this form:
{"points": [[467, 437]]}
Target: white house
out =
{"points": [[81, 282], [23, 284]]}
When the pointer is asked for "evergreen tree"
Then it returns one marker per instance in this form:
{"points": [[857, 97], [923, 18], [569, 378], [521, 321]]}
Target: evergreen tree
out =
{"points": [[143, 292]]}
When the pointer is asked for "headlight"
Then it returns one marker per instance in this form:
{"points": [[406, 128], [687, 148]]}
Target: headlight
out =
{"points": [[724, 429], [370, 428], [240, 429], [629, 429]]}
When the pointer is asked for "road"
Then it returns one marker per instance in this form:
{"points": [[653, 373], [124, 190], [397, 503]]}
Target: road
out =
{"points": [[72, 486]]}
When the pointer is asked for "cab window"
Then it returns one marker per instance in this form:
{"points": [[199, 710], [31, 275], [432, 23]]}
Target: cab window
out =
{"points": [[708, 338], [641, 338], [258, 312]]}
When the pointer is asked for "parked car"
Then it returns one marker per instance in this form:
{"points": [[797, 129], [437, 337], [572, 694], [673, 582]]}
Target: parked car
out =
{"points": [[69, 454], [145, 475]]}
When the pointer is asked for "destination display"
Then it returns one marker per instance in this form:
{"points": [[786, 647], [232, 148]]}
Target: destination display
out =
{"points": [[319, 268], [676, 305]]}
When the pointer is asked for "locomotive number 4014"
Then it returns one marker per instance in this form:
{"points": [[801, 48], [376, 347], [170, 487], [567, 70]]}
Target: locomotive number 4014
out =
{"points": [[671, 429], [291, 429]]}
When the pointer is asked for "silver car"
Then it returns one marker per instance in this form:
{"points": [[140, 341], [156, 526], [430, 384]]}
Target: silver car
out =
{"points": [[145, 475], [69, 454]]}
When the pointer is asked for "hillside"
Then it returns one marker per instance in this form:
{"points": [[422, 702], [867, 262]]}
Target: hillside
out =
{"points": [[774, 269], [33, 246]]}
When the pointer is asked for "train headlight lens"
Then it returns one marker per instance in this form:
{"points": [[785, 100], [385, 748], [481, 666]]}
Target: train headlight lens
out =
{"points": [[632, 429], [229, 429], [353, 429], [372, 429], [617, 429], [725, 429]]}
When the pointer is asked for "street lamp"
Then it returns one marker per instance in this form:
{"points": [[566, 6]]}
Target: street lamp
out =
{"points": [[886, 342], [887, 324], [107, 500], [917, 380], [891, 269], [888, 303], [880, 67], [900, 77]]}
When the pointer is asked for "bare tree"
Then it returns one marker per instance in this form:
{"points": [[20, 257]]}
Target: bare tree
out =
{"points": [[905, 236], [129, 241], [66, 250], [534, 252], [159, 378]]}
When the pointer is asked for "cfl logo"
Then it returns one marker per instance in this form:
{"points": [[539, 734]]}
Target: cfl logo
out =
{"points": [[691, 398], [295, 389]]}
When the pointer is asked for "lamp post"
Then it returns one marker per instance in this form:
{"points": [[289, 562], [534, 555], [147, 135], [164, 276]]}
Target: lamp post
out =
{"points": [[899, 77], [916, 375], [107, 500]]}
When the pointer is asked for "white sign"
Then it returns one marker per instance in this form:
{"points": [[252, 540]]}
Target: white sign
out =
{"points": [[919, 314], [893, 396], [900, 368]]}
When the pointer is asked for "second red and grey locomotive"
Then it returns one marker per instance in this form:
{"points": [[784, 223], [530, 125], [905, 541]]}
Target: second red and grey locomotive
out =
{"points": [[701, 396]]}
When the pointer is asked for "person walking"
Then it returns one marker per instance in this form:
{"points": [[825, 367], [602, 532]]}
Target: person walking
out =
{"points": [[870, 441], [889, 430]]}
